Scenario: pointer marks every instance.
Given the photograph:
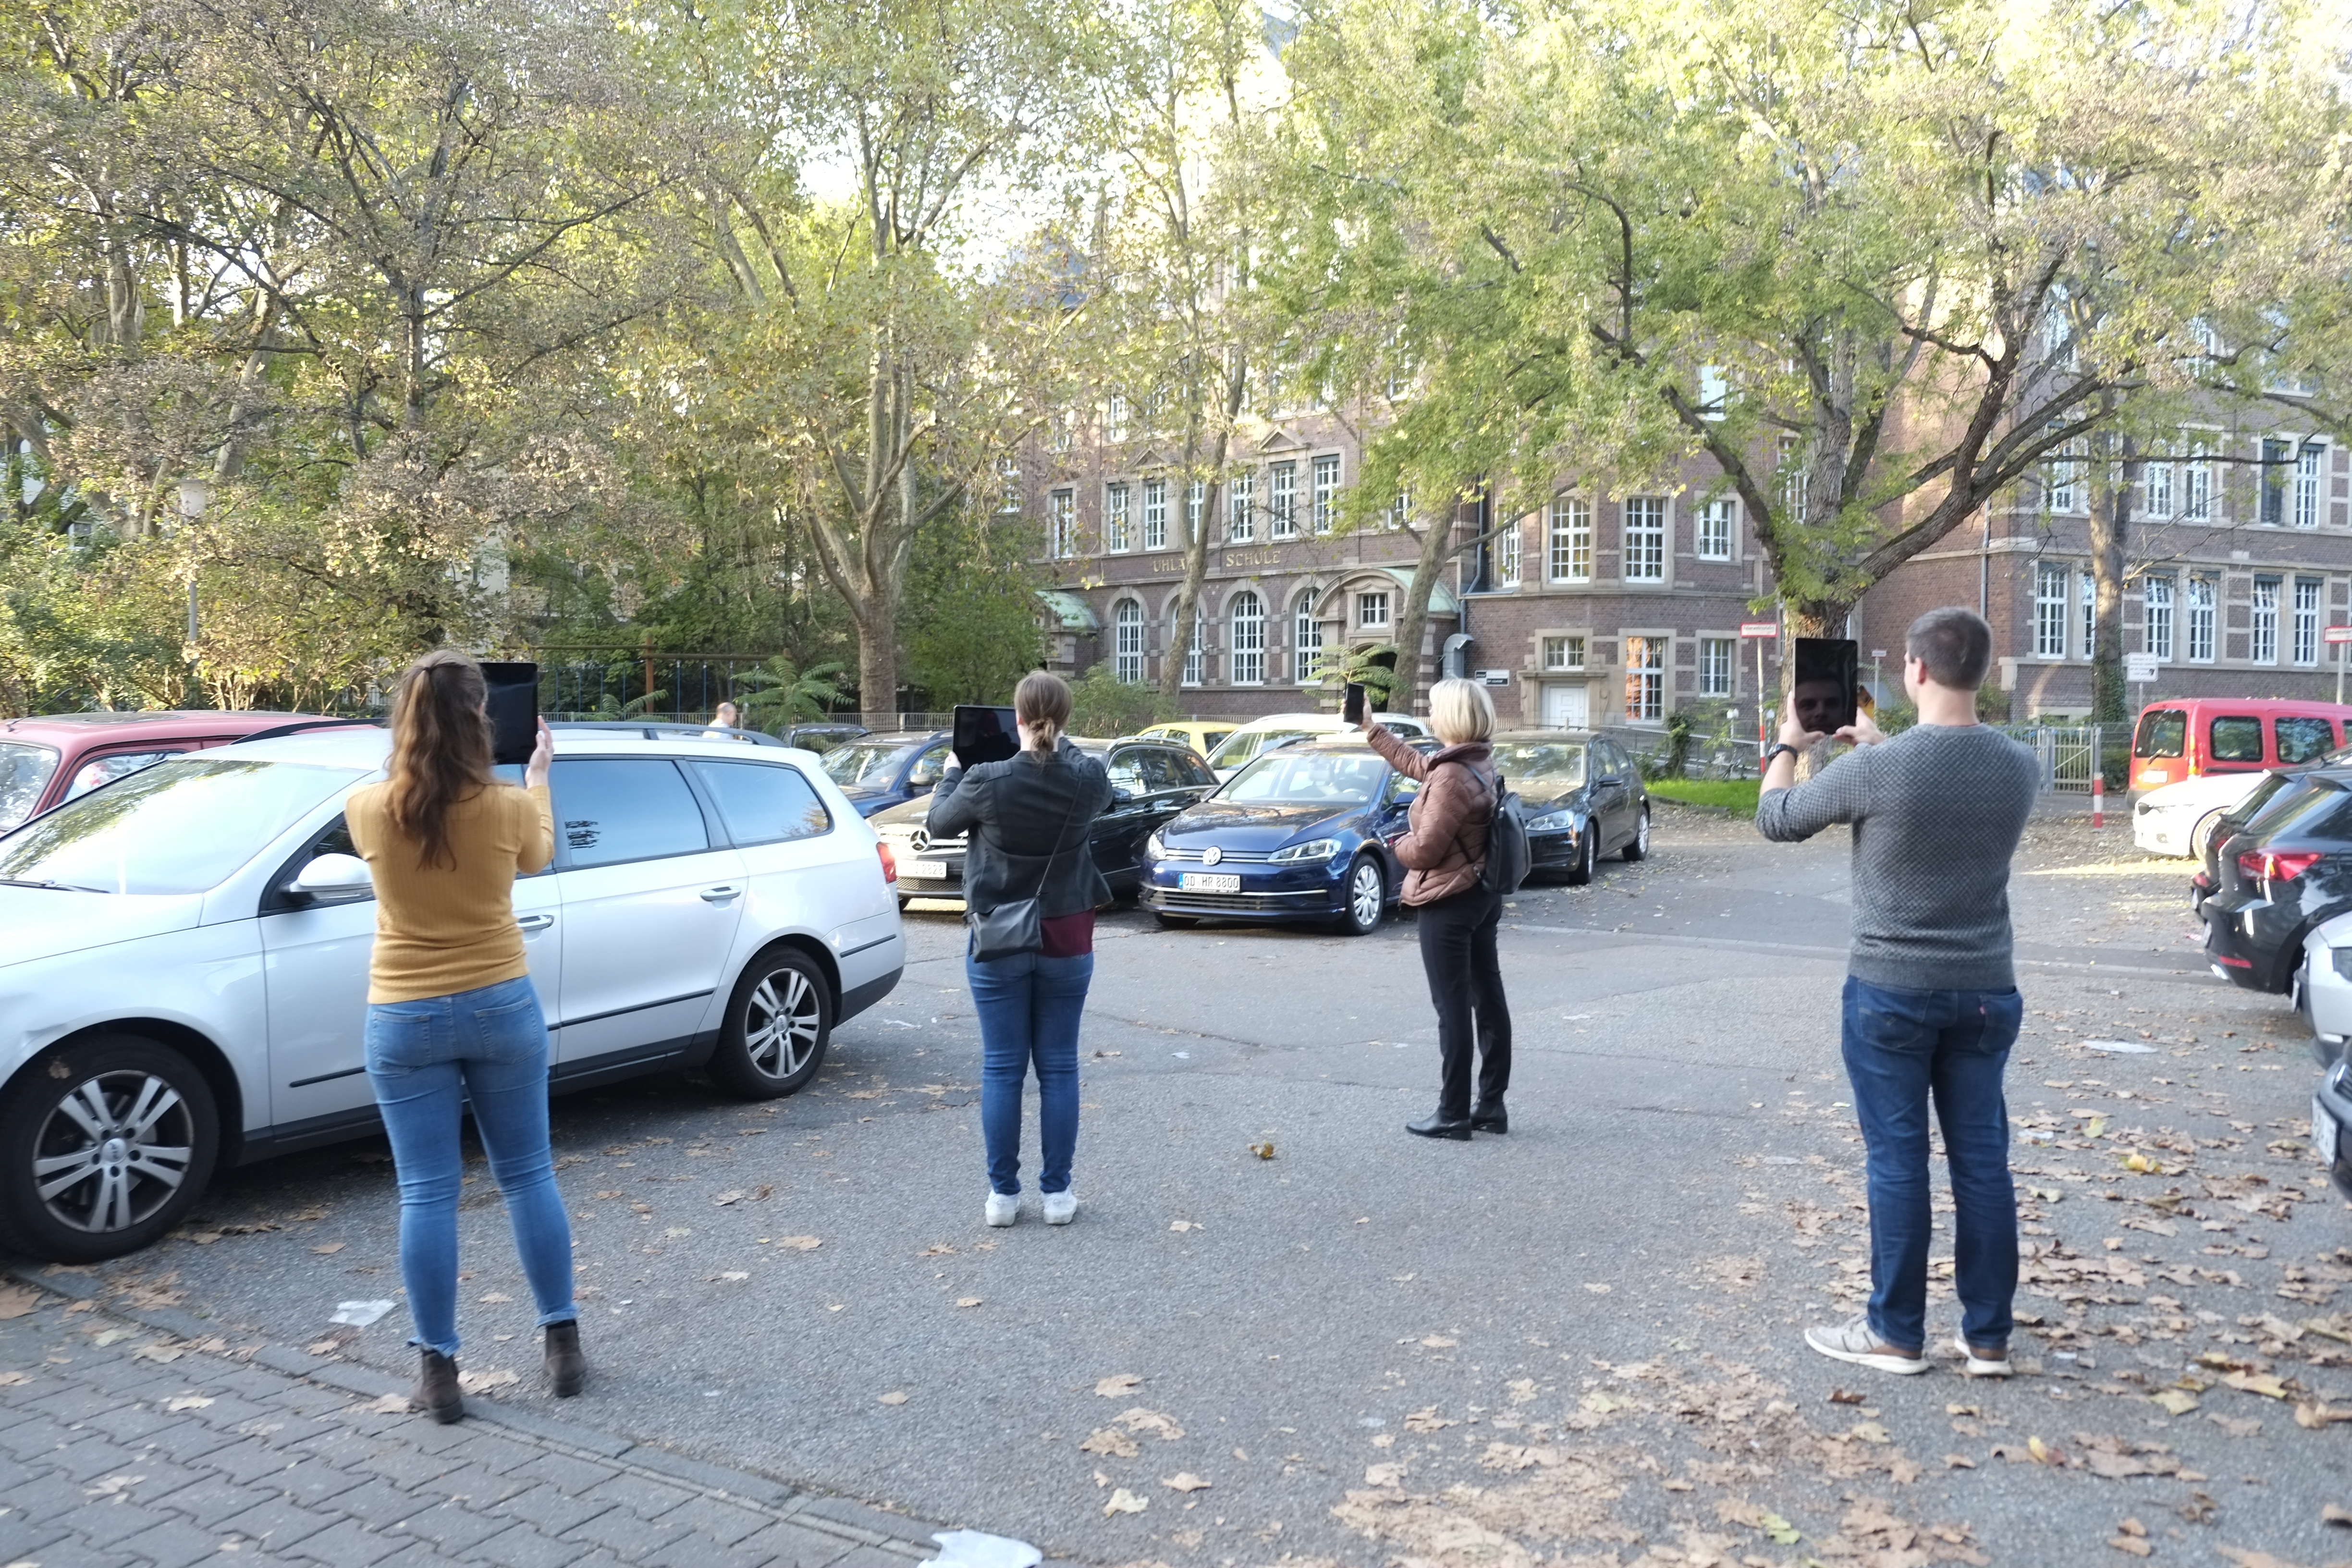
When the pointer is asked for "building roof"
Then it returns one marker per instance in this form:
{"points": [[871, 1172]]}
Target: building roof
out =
{"points": [[1442, 601], [1070, 613]]}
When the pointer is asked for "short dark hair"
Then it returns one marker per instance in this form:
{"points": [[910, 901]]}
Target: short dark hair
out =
{"points": [[1956, 645]]}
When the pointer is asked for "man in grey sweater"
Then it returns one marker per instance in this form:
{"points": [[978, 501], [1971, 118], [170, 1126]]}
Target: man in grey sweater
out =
{"points": [[1931, 1002]]}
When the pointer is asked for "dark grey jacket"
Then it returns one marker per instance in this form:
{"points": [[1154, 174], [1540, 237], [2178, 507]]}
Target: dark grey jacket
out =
{"points": [[1012, 812]]}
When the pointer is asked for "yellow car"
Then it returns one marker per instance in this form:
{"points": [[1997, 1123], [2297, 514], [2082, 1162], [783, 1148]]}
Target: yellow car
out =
{"points": [[1201, 735]]}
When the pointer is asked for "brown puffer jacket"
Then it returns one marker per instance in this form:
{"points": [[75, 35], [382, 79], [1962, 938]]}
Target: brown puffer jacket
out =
{"points": [[1445, 845]]}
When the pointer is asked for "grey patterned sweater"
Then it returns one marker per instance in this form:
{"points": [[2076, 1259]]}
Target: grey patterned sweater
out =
{"points": [[1937, 813]]}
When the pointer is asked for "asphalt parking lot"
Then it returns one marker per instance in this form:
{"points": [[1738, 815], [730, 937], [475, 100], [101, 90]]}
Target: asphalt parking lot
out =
{"points": [[1576, 1343]]}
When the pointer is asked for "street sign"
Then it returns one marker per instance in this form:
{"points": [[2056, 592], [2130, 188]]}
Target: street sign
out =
{"points": [[1760, 630], [2139, 667], [1494, 677], [2338, 634]]}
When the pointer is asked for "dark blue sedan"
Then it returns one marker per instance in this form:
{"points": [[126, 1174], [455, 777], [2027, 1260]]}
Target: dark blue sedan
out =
{"points": [[877, 771], [1300, 834]]}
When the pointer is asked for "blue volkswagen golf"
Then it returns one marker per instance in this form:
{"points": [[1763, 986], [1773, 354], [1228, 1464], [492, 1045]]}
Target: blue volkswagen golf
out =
{"points": [[1300, 834]]}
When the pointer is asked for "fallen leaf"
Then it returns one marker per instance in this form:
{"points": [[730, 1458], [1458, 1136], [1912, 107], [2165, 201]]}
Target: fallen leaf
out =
{"points": [[1427, 1419], [2330, 1513], [1958, 1462], [2042, 1453], [967, 1300], [2261, 1382], [1118, 1383], [2175, 1401], [723, 1199], [896, 1396], [388, 1404], [329, 1248], [2315, 1414], [2235, 1425], [1125, 1501], [1150, 1423], [11, 1378], [157, 1351], [494, 1299], [484, 1381], [1390, 1475], [1440, 1343], [1184, 1225], [1782, 1532], [2132, 1527], [2245, 1559], [1111, 1443], [328, 1346], [1839, 1396], [17, 1301], [1184, 1481], [732, 1274], [180, 1402], [113, 1486], [1263, 1151], [1868, 1432], [2131, 1545], [1598, 1290], [800, 1243], [105, 1336]]}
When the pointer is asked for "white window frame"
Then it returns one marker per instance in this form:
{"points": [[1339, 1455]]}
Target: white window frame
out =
{"points": [[1062, 511], [2310, 594], [1401, 509], [2087, 590], [1008, 475], [1307, 640], [1115, 418], [1196, 656], [1719, 526], [1372, 613], [1564, 652], [1118, 520], [1793, 473], [2050, 582], [1282, 500], [1127, 642], [2201, 617], [1646, 663], [2156, 489], [1155, 515], [1196, 507], [1241, 521], [2263, 620], [2273, 480], [1568, 540], [1507, 555], [1646, 543], [1245, 661], [2310, 463], [2197, 497], [2156, 597], [1718, 658], [1324, 478]]}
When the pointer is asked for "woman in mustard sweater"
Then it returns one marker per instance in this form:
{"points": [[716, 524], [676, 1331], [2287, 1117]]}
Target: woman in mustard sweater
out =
{"points": [[452, 1016]]}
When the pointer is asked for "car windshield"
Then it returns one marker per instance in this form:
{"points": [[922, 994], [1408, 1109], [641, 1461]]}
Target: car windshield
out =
{"points": [[25, 772], [177, 827], [1538, 767], [1241, 746], [864, 762], [1336, 778]]}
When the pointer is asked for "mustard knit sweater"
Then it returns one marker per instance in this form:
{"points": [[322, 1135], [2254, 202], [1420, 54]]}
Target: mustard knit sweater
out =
{"points": [[438, 930]]}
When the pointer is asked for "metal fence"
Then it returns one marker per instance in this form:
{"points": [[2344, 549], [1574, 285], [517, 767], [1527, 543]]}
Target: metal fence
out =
{"points": [[2070, 754]]}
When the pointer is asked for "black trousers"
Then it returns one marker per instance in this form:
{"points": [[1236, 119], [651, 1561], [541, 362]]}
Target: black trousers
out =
{"points": [[1466, 983]]}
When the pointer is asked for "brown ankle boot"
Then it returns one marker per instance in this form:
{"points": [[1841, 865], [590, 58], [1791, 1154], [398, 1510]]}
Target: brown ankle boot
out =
{"points": [[437, 1392], [567, 1369]]}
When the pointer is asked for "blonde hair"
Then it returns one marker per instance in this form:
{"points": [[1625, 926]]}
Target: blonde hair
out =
{"points": [[1460, 711], [1042, 701]]}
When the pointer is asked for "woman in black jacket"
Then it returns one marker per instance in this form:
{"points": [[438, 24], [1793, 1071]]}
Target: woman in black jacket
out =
{"points": [[1029, 821]]}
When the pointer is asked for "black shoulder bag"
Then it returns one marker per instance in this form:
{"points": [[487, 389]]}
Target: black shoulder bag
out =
{"points": [[1016, 928]]}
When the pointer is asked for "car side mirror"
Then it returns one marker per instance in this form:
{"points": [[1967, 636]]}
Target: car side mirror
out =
{"points": [[333, 876]]}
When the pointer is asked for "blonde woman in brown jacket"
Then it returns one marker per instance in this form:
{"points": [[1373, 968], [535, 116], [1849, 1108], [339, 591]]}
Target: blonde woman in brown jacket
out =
{"points": [[1444, 852]]}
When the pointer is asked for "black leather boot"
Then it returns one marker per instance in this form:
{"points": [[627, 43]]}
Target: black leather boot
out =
{"points": [[1437, 1124], [1490, 1117], [567, 1369], [436, 1393]]}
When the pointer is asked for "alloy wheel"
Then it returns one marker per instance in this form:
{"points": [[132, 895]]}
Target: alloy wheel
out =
{"points": [[781, 1022], [114, 1152], [1366, 893]]}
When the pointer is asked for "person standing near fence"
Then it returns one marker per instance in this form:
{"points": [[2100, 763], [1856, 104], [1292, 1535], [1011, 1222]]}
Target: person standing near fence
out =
{"points": [[1931, 1006], [1028, 822], [453, 1018]]}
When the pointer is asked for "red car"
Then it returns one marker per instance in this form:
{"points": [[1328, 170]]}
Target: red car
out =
{"points": [[53, 757]]}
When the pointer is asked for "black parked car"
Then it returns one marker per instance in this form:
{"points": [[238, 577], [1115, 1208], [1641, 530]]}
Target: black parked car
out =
{"points": [[1583, 796], [877, 771], [2286, 870], [823, 738], [1151, 782]]}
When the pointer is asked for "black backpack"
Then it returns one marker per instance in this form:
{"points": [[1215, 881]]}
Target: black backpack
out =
{"points": [[1506, 841]]}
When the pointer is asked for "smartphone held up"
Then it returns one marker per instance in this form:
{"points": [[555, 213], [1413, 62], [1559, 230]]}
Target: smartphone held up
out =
{"points": [[1829, 677], [1351, 704]]}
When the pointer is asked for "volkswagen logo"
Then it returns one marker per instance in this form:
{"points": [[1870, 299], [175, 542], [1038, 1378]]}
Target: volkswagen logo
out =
{"points": [[921, 841], [1211, 854]]}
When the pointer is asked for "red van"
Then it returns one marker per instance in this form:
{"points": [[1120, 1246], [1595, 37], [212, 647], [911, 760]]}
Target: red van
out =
{"points": [[52, 757], [2194, 737]]}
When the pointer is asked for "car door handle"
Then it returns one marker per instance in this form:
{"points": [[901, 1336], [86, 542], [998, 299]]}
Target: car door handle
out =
{"points": [[719, 895], [534, 922]]}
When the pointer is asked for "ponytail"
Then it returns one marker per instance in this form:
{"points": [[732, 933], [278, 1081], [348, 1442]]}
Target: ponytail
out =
{"points": [[1042, 702]]}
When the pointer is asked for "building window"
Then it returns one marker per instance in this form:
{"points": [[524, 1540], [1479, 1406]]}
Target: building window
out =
{"points": [[1796, 479], [2307, 485], [1715, 666], [1127, 641], [2306, 620], [1196, 656], [1401, 509], [1646, 679], [2088, 585], [1116, 533], [2062, 477], [1646, 539], [1282, 500], [1563, 653], [1115, 419], [2049, 611], [2202, 598], [2155, 480], [1241, 522], [1327, 493], [1196, 505], [2197, 485], [1058, 428], [2263, 646], [1716, 521], [1155, 515], [1008, 482], [1372, 612], [1247, 647], [2277, 457], [1506, 556], [1307, 640], [2157, 620], [1062, 510], [1570, 547]]}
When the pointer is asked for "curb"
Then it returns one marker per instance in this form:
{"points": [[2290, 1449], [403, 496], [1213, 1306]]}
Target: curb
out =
{"points": [[809, 1507]]}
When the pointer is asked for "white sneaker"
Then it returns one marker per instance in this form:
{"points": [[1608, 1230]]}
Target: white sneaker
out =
{"points": [[1061, 1207], [1853, 1341], [1002, 1209], [1993, 1365]]}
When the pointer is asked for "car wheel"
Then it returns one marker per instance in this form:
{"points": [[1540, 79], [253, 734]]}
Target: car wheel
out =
{"points": [[777, 1027], [1588, 857], [1638, 846], [2200, 835], [1174, 923], [1368, 898], [104, 1144]]}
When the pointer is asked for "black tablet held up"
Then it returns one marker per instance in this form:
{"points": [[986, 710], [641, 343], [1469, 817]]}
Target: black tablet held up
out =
{"points": [[1351, 703], [514, 710], [985, 734], [1828, 671]]}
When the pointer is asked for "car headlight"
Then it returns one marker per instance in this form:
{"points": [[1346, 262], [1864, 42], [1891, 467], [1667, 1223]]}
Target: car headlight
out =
{"points": [[2343, 959], [1552, 822], [1316, 849], [1155, 846]]}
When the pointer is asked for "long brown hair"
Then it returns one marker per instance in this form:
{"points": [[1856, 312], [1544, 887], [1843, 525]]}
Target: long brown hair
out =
{"points": [[440, 749], [1042, 701]]}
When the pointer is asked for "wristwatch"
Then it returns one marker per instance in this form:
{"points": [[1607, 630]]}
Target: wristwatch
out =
{"points": [[1777, 748]]}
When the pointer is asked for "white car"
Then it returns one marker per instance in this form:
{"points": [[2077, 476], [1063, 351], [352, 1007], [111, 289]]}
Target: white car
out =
{"points": [[2323, 987], [1280, 729], [183, 956], [2174, 819]]}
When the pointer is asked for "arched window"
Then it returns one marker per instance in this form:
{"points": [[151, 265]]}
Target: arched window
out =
{"points": [[1196, 656], [1247, 648], [1307, 644], [1127, 642]]}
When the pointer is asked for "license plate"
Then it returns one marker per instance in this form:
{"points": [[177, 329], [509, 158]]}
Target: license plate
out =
{"points": [[1208, 882], [2322, 1131], [935, 870]]}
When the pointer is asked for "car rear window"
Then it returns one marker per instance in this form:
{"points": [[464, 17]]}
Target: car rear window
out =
{"points": [[2322, 812], [2304, 738], [2236, 738], [632, 808], [2162, 734], [764, 804], [25, 772]]}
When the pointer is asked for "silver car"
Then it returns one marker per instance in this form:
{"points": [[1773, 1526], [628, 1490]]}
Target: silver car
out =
{"points": [[183, 956]]}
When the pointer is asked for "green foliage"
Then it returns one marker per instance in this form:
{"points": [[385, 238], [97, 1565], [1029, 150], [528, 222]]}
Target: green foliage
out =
{"points": [[1343, 668], [1104, 706], [778, 692], [1992, 704], [972, 612], [1735, 796]]}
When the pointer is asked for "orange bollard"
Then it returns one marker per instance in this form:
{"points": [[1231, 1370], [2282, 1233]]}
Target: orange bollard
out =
{"points": [[2098, 800]]}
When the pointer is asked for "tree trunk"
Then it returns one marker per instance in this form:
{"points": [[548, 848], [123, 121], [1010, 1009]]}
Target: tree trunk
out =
{"points": [[877, 658], [2110, 535], [1412, 620]]}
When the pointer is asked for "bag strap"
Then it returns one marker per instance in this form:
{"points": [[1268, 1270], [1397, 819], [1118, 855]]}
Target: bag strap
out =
{"points": [[1059, 835], [1492, 812]]}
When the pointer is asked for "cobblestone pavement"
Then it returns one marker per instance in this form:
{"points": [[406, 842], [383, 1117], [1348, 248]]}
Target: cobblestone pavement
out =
{"points": [[151, 1439]]}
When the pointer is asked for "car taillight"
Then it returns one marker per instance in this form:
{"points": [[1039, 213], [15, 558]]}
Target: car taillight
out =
{"points": [[890, 861], [2269, 866]]}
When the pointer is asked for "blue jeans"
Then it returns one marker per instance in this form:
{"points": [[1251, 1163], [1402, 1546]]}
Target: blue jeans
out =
{"points": [[1900, 1047], [1029, 1006], [426, 1061]]}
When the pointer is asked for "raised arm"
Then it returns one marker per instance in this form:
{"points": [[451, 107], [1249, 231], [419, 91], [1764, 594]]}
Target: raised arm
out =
{"points": [[1404, 758]]}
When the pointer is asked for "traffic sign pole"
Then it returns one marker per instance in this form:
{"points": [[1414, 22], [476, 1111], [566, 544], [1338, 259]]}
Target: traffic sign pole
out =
{"points": [[1757, 631], [2342, 637]]}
